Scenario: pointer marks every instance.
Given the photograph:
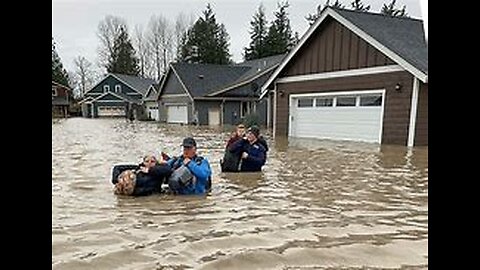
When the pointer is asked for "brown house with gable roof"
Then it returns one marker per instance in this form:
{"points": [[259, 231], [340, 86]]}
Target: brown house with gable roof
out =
{"points": [[354, 76]]}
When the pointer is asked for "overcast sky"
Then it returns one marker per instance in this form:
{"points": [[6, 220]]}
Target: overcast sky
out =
{"points": [[75, 22]]}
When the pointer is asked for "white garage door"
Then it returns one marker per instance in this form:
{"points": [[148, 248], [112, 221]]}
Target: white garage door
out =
{"points": [[153, 112], [356, 115], [111, 111], [177, 114]]}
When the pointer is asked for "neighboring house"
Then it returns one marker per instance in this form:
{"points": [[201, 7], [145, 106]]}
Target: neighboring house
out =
{"points": [[61, 99], [150, 101], [210, 94], [354, 76], [116, 95]]}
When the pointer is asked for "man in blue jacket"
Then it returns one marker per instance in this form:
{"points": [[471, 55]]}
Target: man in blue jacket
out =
{"points": [[198, 166], [253, 153]]}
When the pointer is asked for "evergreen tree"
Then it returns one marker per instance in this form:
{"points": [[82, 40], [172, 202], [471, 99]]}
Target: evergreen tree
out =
{"points": [[279, 38], [123, 59], [59, 74], [258, 36], [206, 41], [311, 18], [358, 5], [391, 10]]}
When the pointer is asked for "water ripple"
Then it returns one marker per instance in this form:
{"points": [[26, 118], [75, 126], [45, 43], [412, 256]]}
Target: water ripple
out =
{"points": [[315, 205]]}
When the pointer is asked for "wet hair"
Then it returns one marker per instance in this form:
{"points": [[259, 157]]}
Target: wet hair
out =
{"points": [[149, 156], [126, 183]]}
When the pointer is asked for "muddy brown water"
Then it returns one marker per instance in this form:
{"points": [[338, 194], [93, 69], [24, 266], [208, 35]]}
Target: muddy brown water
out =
{"points": [[316, 204]]}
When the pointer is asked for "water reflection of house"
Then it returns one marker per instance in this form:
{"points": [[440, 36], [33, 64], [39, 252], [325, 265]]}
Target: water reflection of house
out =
{"points": [[210, 94], [61, 99], [117, 95], [354, 76]]}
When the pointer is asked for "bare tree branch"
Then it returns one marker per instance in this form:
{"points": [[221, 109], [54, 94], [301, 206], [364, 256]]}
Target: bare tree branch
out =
{"points": [[159, 36], [108, 31]]}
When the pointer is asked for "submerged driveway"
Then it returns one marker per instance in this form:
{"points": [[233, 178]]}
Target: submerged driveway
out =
{"points": [[315, 204]]}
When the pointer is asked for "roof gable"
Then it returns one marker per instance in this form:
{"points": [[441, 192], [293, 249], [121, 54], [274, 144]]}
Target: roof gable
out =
{"points": [[400, 39], [151, 94], [110, 96], [403, 36], [137, 84], [60, 85]]}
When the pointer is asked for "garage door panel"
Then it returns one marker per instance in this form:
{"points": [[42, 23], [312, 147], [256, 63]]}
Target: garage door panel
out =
{"points": [[358, 123], [177, 114], [111, 111]]}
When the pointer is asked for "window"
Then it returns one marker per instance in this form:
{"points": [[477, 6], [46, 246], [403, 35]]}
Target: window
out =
{"points": [[346, 101], [324, 102], [118, 88], [305, 102], [246, 108], [371, 100], [106, 88], [54, 91]]}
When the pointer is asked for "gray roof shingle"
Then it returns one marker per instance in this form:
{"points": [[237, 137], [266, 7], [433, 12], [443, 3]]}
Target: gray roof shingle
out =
{"points": [[203, 78], [404, 36], [140, 84], [259, 65]]}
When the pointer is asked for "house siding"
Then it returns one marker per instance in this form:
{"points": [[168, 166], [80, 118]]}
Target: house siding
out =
{"points": [[421, 131], [333, 47], [112, 81], [397, 103], [261, 110], [61, 101], [202, 107], [231, 113], [173, 85]]}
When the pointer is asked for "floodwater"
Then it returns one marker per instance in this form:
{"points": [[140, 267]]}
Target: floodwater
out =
{"points": [[315, 205]]}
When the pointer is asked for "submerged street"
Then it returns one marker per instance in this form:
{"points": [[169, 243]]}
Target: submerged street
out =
{"points": [[316, 204]]}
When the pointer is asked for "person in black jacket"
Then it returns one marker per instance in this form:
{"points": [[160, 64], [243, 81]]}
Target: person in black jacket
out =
{"points": [[230, 161], [139, 180], [253, 153]]}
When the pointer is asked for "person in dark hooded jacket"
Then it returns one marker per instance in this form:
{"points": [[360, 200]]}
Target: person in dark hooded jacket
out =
{"points": [[252, 152]]}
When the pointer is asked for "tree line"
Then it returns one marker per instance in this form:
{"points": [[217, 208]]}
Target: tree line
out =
{"points": [[149, 50]]}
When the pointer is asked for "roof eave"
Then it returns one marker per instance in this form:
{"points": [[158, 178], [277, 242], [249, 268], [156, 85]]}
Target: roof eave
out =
{"points": [[373, 42], [256, 76]]}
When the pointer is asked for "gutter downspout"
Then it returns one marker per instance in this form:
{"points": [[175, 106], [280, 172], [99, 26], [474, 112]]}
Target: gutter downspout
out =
{"points": [[413, 112], [274, 109], [222, 108]]}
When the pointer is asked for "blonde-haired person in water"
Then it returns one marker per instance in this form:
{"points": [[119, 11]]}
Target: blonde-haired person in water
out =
{"points": [[143, 179]]}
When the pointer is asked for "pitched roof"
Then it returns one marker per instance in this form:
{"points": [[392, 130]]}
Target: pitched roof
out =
{"points": [[139, 84], [152, 93], [120, 96], [404, 36], [200, 79], [401, 39], [258, 68], [259, 65], [59, 84]]}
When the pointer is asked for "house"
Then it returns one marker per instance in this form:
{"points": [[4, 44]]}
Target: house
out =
{"points": [[150, 102], [116, 95], [62, 98], [210, 94], [354, 76]]}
